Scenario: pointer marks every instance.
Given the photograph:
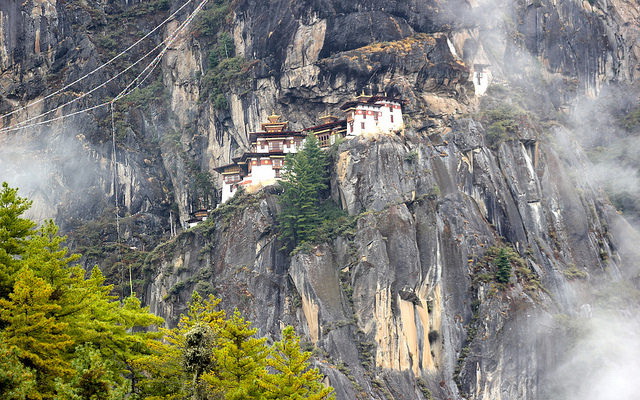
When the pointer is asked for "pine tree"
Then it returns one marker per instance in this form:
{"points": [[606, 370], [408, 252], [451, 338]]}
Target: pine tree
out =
{"points": [[293, 379], [39, 339], [50, 307], [186, 353], [16, 380], [13, 233], [304, 179], [503, 264], [239, 361]]}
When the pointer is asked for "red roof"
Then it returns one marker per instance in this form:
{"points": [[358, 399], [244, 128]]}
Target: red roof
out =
{"points": [[370, 100], [327, 125]]}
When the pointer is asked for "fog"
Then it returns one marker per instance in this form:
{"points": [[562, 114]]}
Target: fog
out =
{"points": [[599, 353], [56, 170]]}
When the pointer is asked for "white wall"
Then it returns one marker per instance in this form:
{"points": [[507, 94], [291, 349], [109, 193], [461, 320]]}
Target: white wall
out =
{"points": [[260, 173], [371, 125], [227, 191]]}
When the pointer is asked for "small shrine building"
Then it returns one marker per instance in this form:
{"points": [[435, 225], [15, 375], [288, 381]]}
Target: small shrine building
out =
{"points": [[196, 217], [372, 114]]}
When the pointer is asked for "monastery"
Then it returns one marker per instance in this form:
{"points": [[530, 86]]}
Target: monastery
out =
{"points": [[262, 164]]}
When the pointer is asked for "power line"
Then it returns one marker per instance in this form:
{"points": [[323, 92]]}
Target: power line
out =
{"points": [[99, 67], [154, 63], [167, 42]]}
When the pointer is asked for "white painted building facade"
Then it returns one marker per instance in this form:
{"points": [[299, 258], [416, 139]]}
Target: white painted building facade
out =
{"points": [[262, 165], [373, 114]]}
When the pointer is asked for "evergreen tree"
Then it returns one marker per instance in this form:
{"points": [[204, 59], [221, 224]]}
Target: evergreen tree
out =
{"points": [[292, 378], [239, 361], [14, 231], [304, 179], [503, 264], [51, 306], [177, 364], [16, 380]]}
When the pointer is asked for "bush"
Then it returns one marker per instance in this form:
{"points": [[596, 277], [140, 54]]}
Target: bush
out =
{"points": [[212, 18], [501, 123], [221, 78]]}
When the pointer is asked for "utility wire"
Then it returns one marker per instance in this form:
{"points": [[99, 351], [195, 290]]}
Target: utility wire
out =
{"points": [[167, 42], [99, 67]]}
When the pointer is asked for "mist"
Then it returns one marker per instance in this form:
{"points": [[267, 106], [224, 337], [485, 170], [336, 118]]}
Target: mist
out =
{"points": [[57, 171], [598, 337]]}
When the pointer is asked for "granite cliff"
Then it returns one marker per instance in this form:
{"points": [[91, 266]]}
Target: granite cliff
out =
{"points": [[405, 303]]}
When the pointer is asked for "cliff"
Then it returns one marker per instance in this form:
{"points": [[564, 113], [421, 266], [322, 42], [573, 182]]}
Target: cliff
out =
{"points": [[405, 304]]}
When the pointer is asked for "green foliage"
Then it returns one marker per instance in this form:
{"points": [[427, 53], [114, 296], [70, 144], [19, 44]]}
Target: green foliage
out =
{"points": [[143, 97], [572, 273], [502, 123], [94, 377], [16, 380], [292, 377], [411, 156], [304, 179], [221, 50], [424, 388], [239, 361], [14, 231], [212, 18], [225, 69], [219, 79], [503, 266], [220, 357], [52, 306], [500, 264]]}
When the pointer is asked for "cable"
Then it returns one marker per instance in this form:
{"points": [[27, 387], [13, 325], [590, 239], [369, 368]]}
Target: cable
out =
{"points": [[154, 63], [166, 42], [99, 67]]}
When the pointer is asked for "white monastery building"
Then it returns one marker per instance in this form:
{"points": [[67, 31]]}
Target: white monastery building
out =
{"points": [[372, 114], [262, 164]]}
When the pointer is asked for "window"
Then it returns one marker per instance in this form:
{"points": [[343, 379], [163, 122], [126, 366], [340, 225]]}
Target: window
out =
{"points": [[275, 146], [323, 139], [350, 126], [361, 125], [392, 118], [230, 179]]}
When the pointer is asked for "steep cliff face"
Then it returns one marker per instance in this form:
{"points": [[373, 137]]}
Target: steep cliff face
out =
{"points": [[402, 304], [407, 305]]}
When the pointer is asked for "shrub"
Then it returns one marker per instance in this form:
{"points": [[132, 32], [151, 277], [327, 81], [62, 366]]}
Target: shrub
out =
{"points": [[501, 123]]}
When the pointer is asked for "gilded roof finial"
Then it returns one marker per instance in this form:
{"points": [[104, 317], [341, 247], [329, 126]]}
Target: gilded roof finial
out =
{"points": [[273, 118]]}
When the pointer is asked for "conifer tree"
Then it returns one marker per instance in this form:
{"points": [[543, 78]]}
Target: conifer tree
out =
{"points": [[503, 264], [292, 377], [239, 361], [51, 307], [177, 364], [14, 231], [304, 179], [16, 380]]}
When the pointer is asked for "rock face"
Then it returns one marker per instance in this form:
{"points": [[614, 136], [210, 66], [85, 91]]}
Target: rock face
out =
{"points": [[399, 306], [407, 306]]}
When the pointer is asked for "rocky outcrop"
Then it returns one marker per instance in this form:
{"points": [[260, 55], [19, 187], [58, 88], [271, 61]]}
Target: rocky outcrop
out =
{"points": [[408, 306], [401, 305]]}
